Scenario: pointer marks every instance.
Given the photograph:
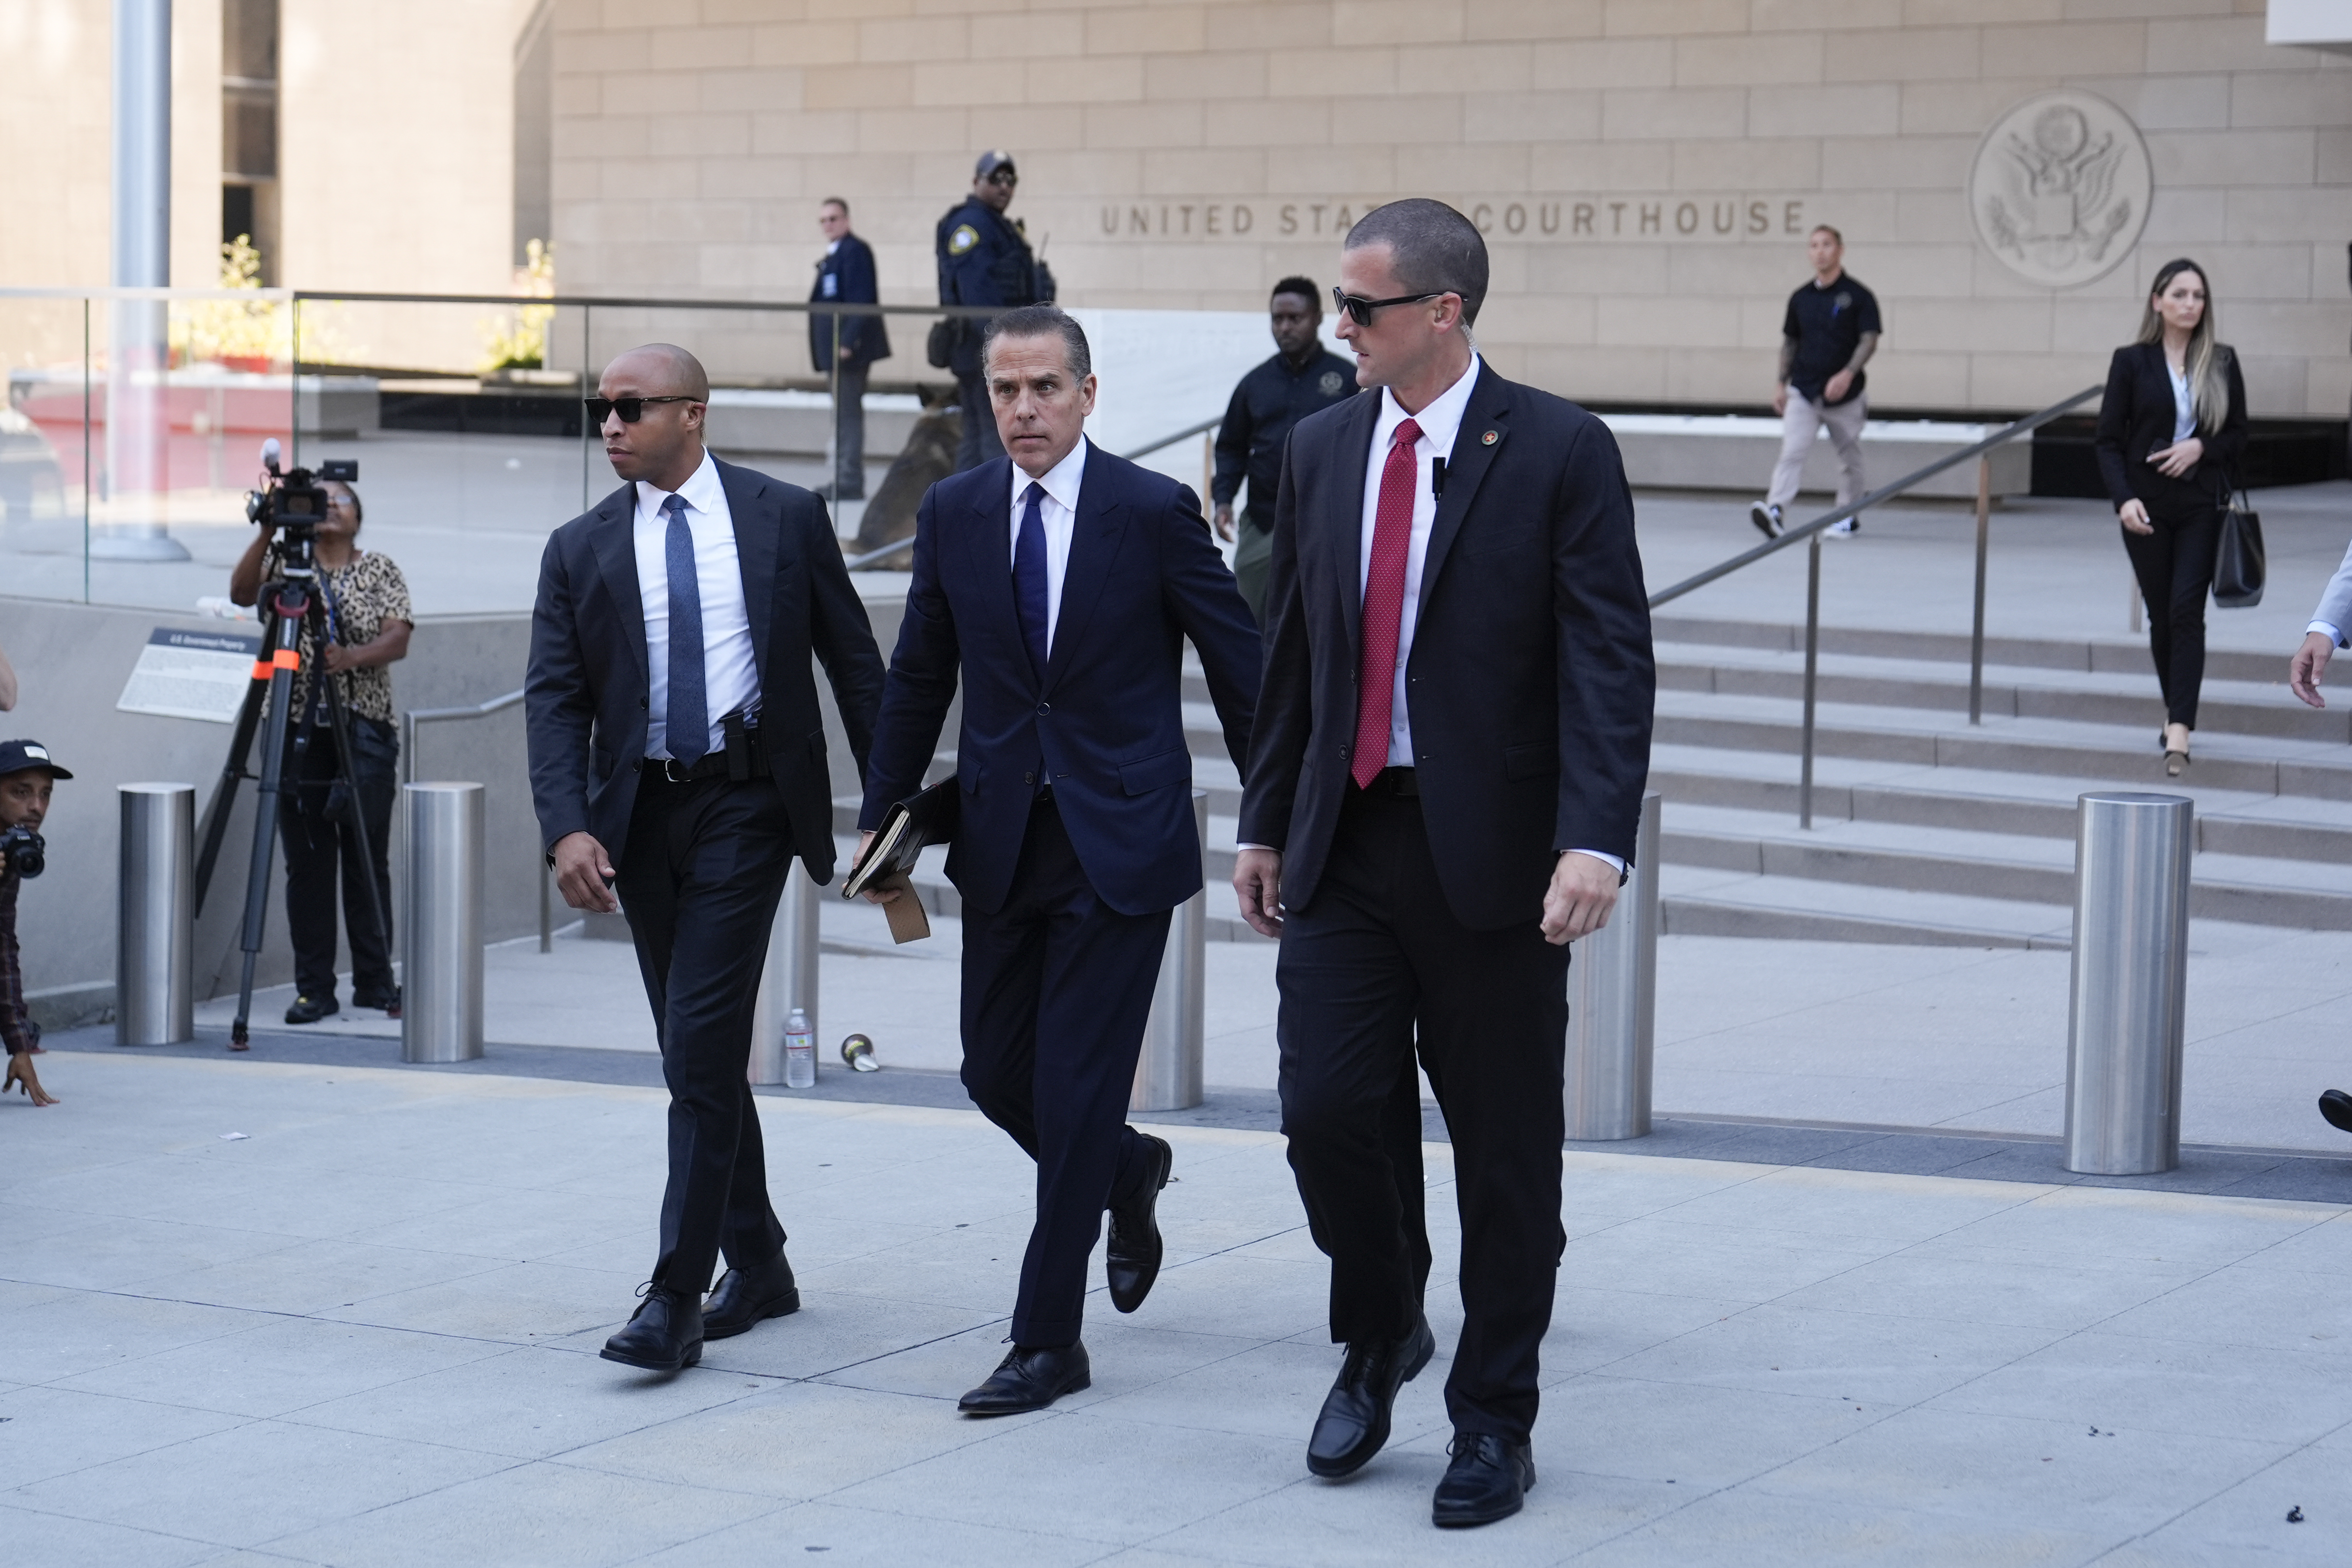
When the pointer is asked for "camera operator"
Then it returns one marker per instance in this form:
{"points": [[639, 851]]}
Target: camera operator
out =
{"points": [[26, 776], [368, 623]]}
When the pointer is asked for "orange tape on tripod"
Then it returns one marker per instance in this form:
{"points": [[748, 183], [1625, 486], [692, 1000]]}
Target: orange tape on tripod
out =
{"points": [[287, 658]]}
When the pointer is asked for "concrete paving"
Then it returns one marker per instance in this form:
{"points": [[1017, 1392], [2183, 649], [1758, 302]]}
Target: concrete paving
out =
{"points": [[363, 1332], [1807, 1031]]}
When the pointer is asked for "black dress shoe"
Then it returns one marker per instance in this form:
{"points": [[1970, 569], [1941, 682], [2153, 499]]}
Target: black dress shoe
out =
{"points": [[2337, 1106], [1354, 1422], [1030, 1378], [665, 1333], [749, 1295], [1488, 1480], [311, 1009], [387, 1001], [1134, 1251]]}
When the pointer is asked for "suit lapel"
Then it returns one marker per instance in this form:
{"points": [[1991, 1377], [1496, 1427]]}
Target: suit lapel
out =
{"points": [[616, 560], [1093, 542], [1345, 517], [989, 544], [1483, 415], [758, 526]]}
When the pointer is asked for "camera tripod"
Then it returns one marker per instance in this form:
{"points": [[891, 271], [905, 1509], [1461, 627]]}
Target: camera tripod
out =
{"points": [[287, 605]]}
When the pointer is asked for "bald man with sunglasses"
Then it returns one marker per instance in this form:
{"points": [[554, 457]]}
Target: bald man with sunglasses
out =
{"points": [[677, 753]]}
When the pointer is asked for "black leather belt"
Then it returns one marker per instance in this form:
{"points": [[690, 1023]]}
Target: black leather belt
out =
{"points": [[710, 766], [1399, 784]]}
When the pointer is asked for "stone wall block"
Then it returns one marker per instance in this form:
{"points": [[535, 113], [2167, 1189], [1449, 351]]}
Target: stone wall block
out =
{"points": [[786, 133], [1919, 380], [1099, 79], [2291, 97], [1658, 320], [1971, 326], [1144, 124], [1662, 115], [748, 91], [1670, 18], [1600, 272], [1922, 215], [688, 49], [2232, 158], [2334, 151], [890, 39], [916, 130], [1779, 164], [1908, 54], [1960, 108], [623, 49], [1600, 167], [1748, 60], [1432, 117], [1188, 171], [2222, 43], [1340, 72], [2171, 103], [1603, 63], [1778, 16], [1398, 21], [1841, 110], [1522, 19], [1530, 117], [2318, 212], [859, 86], [805, 44], [1159, 28], [697, 135], [1284, 123], [2178, 217], [1231, 73], [1905, 163], [1272, 29], [1499, 169]]}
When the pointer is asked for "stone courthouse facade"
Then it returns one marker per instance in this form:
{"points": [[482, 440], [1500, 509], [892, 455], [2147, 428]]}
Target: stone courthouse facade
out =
{"points": [[2008, 174]]}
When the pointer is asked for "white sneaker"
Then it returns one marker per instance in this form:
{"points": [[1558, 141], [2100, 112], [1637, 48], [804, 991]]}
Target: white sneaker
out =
{"points": [[1845, 528], [1767, 519]]}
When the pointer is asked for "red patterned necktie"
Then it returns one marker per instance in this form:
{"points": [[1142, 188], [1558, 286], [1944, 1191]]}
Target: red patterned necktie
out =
{"points": [[1385, 605]]}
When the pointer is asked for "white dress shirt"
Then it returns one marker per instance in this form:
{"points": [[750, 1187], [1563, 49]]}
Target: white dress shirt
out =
{"points": [[1058, 511], [730, 675], [2184, 406]]}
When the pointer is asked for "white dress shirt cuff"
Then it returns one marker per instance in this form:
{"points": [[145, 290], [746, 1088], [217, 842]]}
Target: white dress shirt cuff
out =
{"points": [[1614, 862], [2334, 634], [1268, 847]]}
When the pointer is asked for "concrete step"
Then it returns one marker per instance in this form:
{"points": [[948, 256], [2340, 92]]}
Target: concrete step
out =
{"points": [[2003, 866], [2255, 764], [2235, 707], [2043, 805], [2116, 656]]}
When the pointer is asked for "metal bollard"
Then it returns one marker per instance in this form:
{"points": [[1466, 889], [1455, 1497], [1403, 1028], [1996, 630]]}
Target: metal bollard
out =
{"points": [[790, 980], [155, 991], [441, 924], [1612, 989], [2123, 1020], [1167, 1073]]}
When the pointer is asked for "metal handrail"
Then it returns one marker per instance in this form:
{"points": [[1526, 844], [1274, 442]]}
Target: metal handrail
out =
{"points": [[1810, 533], [857, 562], [415, 716]]}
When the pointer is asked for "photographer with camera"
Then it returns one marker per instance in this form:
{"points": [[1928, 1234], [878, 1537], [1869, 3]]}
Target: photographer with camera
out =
{"points": [[369, 622], [26, 777]]}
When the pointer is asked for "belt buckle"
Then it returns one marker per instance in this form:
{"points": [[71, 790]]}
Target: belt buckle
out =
{"points": [[669, 772]]}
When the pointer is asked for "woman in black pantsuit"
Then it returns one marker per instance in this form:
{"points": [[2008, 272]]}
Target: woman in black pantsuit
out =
{"points": [[2170, 433]]}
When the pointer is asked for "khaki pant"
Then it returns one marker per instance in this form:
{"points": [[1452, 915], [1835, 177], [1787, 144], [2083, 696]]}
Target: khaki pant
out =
{"points": [[1799, 428]]}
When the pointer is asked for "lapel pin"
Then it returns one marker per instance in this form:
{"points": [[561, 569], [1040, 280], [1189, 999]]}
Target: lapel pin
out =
{"points": [[1490, 438]]}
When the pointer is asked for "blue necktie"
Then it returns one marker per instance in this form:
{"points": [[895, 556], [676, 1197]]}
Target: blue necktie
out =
{"points": [[687, 721], [1029, 578]]}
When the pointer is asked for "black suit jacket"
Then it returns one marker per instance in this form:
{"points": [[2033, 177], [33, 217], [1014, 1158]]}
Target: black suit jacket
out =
{"points": [[587, 692], [851, 267], [2136, 418], [1105, 718], [1530, 683]]}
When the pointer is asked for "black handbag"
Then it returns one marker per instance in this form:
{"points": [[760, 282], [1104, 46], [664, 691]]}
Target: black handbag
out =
{"points": [[946, 336], [2240, 566]]}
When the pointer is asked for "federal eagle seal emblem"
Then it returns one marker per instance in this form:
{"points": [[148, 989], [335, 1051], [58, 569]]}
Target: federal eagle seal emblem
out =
{"points": [[1331, 384], [2060, 188]]}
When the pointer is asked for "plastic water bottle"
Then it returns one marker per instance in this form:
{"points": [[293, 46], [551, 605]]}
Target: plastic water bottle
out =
{"points": [[800, 1052]]}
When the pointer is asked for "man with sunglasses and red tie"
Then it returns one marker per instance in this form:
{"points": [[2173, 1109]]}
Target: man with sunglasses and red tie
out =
{"points": [[677, 752], [1445, 775]]}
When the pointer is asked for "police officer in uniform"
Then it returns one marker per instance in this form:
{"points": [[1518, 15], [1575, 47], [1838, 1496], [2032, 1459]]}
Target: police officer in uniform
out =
{"points": [[1302, 377], [984, 259]]}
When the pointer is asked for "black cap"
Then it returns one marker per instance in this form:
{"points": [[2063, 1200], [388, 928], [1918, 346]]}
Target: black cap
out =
{"points": [[15, 756], [990, 162]]}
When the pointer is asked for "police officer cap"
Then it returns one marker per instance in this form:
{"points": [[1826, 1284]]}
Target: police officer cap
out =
{"points": [[990, 162], [15, 756]]}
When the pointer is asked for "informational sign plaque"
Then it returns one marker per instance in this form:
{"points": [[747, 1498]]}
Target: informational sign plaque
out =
{"points": [[192, 675]]}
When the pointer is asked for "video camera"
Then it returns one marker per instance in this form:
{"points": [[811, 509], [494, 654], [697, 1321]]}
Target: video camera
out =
{"points": [[22, 851], [294, 501]]}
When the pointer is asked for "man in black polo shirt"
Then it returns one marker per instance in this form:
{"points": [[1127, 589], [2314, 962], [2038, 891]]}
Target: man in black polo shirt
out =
{"points": [[1301, 377], [1830, 333]]}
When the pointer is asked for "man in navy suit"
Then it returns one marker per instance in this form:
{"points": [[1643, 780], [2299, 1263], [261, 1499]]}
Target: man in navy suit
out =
{"points": [[1446, 774], [841, 347], [1061, 581], [676, 745]]}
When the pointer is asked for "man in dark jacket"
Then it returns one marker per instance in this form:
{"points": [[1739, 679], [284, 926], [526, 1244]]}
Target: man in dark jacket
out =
{"points": [[1302, 377], [678, 751], [843, 348], [984, 259]]}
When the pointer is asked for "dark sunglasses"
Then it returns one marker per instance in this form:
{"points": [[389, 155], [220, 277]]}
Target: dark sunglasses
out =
{"points": [[1360, 310], [630, 409], [1004, 177]]}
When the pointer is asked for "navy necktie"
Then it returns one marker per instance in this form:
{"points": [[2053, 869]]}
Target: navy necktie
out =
{"points": [[688, 719], [1029, 577]]}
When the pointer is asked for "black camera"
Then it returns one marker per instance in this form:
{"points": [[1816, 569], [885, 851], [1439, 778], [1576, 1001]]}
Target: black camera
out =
{"points": [[22, 851], [294, 501]]}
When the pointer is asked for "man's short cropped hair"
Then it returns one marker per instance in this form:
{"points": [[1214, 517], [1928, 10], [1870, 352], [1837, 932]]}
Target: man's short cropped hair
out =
{"points": [[1302, 286], [1043, 321], [834, 202], [1824, 228], [1434, 249]]}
